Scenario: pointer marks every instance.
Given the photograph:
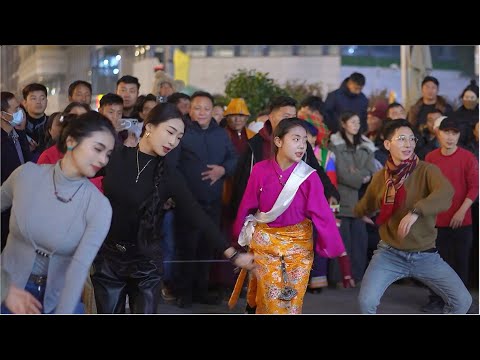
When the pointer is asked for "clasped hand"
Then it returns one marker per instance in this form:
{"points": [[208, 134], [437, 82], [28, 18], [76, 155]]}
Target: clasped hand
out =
{"points": [[213, 173], [245, 261]]}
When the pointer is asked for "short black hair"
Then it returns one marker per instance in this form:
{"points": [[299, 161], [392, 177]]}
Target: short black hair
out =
{"points": [[75, 104], [176, 96], [129, 79], [6, 97], [110, 98], [391, 126], [281, 101], [313, 102], [430, 78], [142, 99], [33, 87], [435, 111], [394, 105], [73, 85], [357, 78], [202, 94]]}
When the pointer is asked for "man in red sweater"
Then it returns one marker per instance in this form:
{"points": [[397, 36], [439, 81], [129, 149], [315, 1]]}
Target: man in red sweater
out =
{"points": [[454, 239]]}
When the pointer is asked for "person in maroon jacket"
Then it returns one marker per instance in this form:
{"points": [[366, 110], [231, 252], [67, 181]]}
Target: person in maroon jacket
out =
{"points": [[454, 239]]}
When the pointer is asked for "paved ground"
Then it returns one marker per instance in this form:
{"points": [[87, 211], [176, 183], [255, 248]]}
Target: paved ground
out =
{"points": [[398, 299]]}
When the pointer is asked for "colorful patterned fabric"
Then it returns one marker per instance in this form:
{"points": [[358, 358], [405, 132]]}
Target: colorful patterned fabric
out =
{"points": [[326, 159], [323, 135], [268, 244]]}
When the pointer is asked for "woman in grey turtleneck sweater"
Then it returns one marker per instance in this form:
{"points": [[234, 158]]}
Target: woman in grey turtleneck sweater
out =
{"points": [[59, 218]]}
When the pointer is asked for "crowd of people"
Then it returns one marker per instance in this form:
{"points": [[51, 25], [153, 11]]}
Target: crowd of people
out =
{"points": [[160, 196]]}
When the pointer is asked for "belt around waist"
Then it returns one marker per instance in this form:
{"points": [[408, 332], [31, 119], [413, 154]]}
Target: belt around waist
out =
{"points": [[431, 250], [37, 279], [121, 247]]}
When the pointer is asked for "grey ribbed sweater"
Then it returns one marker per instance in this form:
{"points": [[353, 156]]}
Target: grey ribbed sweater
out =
{"points": [[70, 232]]}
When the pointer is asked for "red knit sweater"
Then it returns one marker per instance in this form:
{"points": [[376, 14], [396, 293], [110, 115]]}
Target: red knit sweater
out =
{"points": [[461, 169]]}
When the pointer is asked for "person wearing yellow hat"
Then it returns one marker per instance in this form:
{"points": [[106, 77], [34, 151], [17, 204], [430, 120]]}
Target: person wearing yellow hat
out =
{"points": [[237, 115]]}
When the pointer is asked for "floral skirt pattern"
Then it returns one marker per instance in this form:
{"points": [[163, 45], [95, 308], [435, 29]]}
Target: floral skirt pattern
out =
{"points": [[268, 245]]}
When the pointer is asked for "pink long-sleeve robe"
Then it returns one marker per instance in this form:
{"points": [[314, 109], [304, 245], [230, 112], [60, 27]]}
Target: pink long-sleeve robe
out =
{"points": [[263, 188]]}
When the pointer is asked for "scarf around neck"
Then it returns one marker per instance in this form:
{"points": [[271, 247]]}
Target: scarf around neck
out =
{"points": [[395, 194]]}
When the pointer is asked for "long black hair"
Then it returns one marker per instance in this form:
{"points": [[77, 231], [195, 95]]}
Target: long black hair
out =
{"points": [[151, 210], [357, 138], [81, 127], [283, 127], [48, 126]]}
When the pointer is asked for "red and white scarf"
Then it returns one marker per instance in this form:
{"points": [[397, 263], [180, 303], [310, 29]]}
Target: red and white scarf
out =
{"points": [[395, 195]]}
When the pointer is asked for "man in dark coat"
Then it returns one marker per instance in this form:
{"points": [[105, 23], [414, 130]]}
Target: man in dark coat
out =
{"points": [[348, 97]]}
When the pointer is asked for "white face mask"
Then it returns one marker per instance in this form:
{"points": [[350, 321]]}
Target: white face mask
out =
{"points": [[17, 117]]}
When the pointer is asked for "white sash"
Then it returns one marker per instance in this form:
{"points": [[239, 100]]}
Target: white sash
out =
{"points": [[301, 172]]}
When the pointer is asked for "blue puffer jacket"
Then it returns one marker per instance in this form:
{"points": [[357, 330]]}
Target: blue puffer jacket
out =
{"points": [[341, 100]]}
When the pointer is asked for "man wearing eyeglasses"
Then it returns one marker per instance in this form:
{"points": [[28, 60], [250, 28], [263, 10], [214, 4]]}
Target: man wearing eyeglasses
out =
{"points": [[409, 194]]}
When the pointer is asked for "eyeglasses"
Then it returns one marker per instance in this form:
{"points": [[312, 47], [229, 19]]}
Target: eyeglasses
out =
{"points": [[402, 139]]}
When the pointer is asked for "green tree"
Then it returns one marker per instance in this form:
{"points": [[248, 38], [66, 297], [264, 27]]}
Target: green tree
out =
{"points": [[299, 90], [220, 99], [255, 87]]}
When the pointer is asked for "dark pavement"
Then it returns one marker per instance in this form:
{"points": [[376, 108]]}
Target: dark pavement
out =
{"points": [[398, 299]]}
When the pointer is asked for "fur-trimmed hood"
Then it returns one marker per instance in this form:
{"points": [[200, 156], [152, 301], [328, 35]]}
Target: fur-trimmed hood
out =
{"points": [[337, 141]]}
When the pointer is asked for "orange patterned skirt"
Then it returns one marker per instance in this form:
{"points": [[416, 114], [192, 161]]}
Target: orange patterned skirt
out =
{"points": [[268, 245]]}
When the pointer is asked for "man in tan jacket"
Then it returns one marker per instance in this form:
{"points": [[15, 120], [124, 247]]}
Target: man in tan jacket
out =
{"points": [[409, 194]]}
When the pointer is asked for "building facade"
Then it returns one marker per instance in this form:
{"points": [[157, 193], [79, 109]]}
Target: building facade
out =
{"points": [[57, 66]]}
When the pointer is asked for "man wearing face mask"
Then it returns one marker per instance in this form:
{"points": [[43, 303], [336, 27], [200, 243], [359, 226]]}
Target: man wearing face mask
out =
{"points": [[467, 114], [15, 149]]}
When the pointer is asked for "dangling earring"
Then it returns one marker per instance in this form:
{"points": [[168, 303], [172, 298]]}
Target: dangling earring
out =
{"points": [[69, 148], [147, 134]]}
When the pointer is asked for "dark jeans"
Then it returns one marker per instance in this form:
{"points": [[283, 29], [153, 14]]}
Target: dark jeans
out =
{"points": [[454, 246], [168, 245], [192, 275], [319, 267], [39, 293], [355, 239], [473, 274], [5, 227], [117, 275], [373, 239]]}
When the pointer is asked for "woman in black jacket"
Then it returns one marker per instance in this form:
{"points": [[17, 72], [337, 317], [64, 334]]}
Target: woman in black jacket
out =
{"points": [[138, 183]]}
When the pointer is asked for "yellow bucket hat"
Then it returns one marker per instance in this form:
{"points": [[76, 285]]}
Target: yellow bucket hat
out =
{"points": [[237, 106]]}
